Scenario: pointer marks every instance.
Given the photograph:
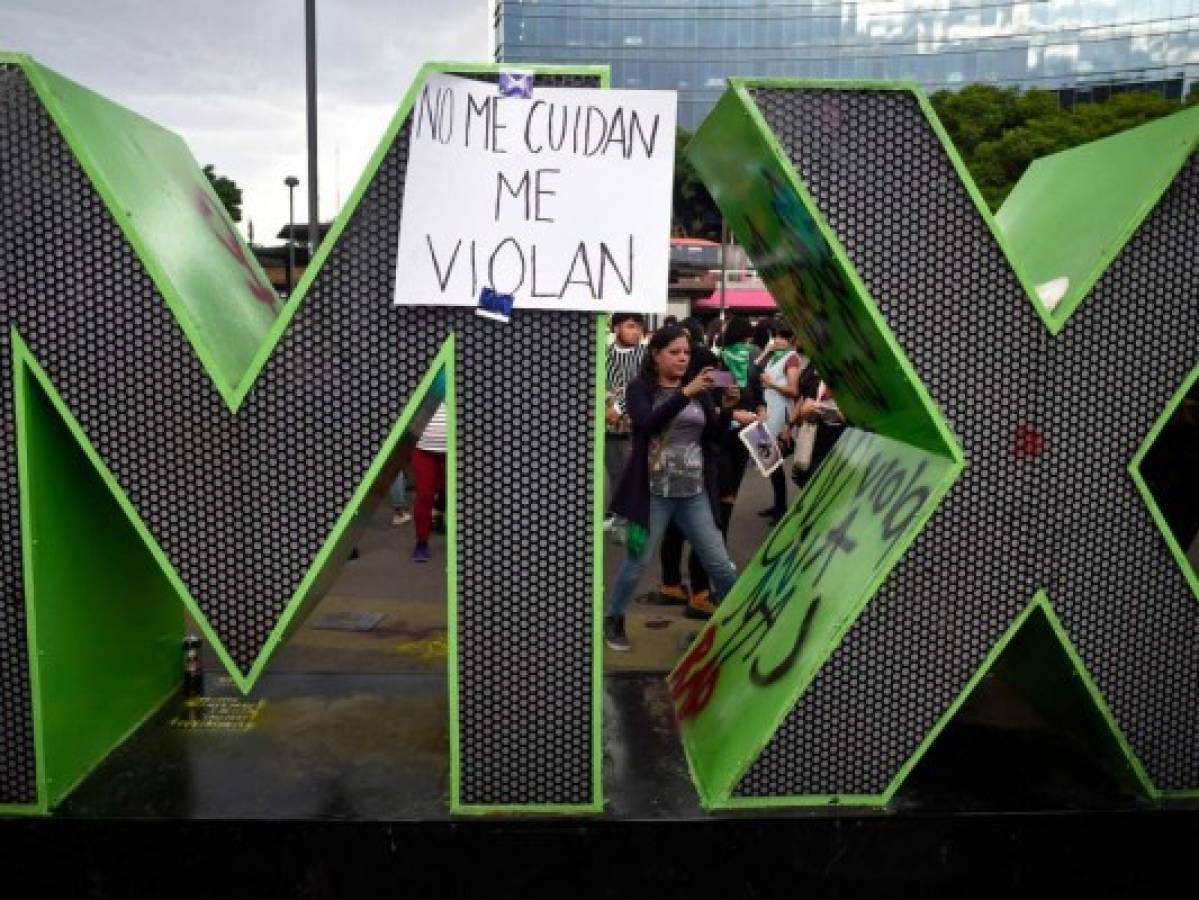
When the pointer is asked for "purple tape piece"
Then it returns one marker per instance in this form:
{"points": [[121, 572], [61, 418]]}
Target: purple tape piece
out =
{"points": [[516, 85]]}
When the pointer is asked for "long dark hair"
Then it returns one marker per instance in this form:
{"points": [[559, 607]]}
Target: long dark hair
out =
{"points": [[694, 330], [664, 336], [736, 330]]}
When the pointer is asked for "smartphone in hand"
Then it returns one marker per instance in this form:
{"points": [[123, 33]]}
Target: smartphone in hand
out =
{"points": [[722, 378]]}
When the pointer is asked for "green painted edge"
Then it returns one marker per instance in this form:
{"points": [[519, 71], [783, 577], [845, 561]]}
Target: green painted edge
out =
{"points": [[21, 353], [47, 798], [1084, 675], [947, 145], [451, 587], [154, 710], [283, 320], [1040, 602], [720, 799], [807, 800], [597, 606], [166, 288], [534, 808], [1054, 325], [41, 805], [1054, 319], [1134, 469], [597, 562], [941, 425], [1061, 314], [443, 360], [724, 799], [246, 682]]}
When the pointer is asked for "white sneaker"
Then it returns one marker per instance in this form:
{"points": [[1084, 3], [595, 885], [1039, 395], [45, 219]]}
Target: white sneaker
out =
{"points": [[609, 523], [401, 516]]}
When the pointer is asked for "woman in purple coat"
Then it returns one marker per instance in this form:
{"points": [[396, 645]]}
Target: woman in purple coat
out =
{"points": [[672, 471]]}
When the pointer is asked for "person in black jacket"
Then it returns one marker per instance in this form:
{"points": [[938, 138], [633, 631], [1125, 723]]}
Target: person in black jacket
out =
{"points": [[698, 599], [671, 475]]}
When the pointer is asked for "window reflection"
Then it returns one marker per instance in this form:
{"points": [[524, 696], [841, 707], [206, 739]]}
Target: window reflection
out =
{"points": [[693, 45]]}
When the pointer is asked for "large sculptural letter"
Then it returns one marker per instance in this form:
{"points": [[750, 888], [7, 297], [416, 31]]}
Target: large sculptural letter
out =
{"points": [[237, 444], [998, 494]]}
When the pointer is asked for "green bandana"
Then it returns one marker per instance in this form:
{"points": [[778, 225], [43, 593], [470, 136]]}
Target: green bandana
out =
{"points": [[636, 537], [736, 360]]}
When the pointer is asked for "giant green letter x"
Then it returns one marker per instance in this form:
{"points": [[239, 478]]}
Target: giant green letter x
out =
{"points": [[924, 546]]}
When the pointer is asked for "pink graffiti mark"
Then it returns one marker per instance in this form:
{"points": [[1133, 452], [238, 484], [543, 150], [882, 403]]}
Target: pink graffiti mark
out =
{"points": [[224, 233]]}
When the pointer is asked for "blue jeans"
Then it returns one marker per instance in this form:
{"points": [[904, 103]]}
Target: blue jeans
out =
{"points": [[693, 516], [399, 491]]}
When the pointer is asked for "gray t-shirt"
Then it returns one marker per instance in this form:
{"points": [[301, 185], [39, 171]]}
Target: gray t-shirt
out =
{"points": [[676, 458]]}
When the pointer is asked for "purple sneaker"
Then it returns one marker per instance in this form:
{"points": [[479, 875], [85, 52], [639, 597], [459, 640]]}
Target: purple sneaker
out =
{"points": [[420, 553]]}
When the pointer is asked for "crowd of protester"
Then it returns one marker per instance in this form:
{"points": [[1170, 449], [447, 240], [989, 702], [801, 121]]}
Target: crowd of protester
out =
{"points": [[677, 401]]}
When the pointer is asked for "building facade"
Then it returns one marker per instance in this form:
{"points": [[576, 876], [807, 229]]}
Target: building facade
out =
{"points": [[691, 46]]}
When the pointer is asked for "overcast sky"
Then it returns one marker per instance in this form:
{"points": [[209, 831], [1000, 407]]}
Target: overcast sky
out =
{"points": [[228, 75]]}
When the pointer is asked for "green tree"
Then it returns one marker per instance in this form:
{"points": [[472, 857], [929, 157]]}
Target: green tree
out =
{"points": [[227, 190], [693, 211], [1000, 131]]}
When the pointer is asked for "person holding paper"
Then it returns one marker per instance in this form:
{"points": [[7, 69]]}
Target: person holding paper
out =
{"points": [[816, 408], [671, 475], [781, 365]]}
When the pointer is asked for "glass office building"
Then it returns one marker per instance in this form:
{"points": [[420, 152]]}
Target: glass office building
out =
{"points": [[692, 45]]}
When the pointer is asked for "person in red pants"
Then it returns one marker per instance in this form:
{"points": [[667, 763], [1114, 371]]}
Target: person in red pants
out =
{"points": [[428, 471]]}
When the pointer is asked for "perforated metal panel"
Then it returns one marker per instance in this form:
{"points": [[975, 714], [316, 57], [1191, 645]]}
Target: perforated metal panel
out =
{"points": [[1067, 519], [241, 504]]}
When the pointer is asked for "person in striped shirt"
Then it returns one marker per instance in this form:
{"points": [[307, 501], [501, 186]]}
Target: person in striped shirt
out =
{"points": [[625, 356]]}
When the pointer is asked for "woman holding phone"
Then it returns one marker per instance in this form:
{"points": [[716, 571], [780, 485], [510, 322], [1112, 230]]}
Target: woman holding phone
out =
{"points": [[672, 471]]}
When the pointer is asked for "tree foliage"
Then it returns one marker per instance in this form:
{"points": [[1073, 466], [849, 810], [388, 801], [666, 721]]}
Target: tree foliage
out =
{"points": [[693, 212], [1000, 131], [227, 190]]}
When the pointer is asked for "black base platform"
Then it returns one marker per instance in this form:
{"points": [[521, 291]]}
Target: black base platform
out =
{"points": [[341, 790]]}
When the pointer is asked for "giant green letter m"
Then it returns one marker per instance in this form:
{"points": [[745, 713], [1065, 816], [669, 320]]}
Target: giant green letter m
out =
{"points": [[169, 432]]}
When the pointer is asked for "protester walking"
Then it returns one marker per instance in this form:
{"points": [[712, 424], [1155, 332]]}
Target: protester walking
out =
{"points": [[697, 597], [671, 475], [428, 471], [625, 356]]}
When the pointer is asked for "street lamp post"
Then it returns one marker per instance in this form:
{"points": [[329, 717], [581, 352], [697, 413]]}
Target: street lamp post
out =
{"points": [[724, 240], [291, 181], [314, 228]]}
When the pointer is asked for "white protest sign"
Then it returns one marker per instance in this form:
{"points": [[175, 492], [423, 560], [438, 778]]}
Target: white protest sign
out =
{"points": [[562, 200]]}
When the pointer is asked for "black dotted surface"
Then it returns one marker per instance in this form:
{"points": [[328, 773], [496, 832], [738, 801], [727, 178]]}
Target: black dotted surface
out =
{"points": [[1069, 519], [240, 505]]}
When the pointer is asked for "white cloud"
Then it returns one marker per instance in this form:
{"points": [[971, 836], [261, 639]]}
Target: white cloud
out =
{"points": [[229, 77]]}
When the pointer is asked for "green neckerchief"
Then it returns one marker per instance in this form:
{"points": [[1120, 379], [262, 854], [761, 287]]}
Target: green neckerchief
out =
{"points": [[777, 355], [736, 359]]}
